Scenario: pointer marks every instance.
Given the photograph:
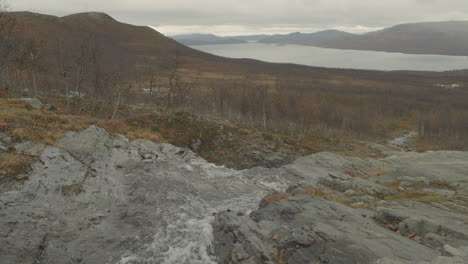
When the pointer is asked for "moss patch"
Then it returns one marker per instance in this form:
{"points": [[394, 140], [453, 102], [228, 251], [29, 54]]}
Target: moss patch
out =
{"points": [[72, 190]]}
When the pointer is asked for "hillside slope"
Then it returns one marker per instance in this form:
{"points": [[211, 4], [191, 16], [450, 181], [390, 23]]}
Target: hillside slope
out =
{"points": [[114, 41], [444, 38]]}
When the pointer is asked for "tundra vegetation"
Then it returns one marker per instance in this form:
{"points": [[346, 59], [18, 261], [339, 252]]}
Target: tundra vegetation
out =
{"points": [[95, 65]]}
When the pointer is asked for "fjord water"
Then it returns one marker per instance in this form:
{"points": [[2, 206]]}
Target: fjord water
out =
{"points": [[335, 58]]}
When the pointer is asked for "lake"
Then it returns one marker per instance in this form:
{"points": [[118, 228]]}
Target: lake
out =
{"points": [[334, 58]]}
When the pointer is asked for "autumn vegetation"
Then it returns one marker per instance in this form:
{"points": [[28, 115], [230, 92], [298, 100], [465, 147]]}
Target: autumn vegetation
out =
{"points": [[99, 66]]}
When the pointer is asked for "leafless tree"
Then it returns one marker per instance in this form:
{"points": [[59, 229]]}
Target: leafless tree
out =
{"points": [[8, 42], [33, 50], [151, 73], [172, 77], [64, 69]]}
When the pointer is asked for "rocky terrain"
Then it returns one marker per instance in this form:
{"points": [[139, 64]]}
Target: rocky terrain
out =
{"points": [[97, 198]]}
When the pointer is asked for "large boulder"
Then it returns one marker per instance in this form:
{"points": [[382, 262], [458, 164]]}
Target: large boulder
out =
{"points": [[34, 102]]}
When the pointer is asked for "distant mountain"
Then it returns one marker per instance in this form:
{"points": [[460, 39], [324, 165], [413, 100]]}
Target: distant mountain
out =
{"points": [[293, 38], [251, 38], [444, 38], [307, 39], [206, 39]]}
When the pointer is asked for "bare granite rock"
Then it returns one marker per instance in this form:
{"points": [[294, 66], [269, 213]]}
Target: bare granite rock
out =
{"points": [[30, 148], [34, 102], [306, 229], [104, 199]]}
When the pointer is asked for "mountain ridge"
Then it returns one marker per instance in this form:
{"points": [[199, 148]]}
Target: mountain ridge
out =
{"points": [[205, 39], [306, 39], [296, 38], [439, 38]]}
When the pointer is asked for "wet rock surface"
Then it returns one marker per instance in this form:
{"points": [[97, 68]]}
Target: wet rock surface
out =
{"points": [[104, 199], [404, 141]]}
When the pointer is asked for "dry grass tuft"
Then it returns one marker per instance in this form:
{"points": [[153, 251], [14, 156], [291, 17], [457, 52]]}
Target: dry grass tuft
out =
{"points": [[21, 121], [352, 149], [14, 164], [279, 257], [417, 196], [317, 192], [72, 190], [114, 126], [144, 134], [312, 191], [350, 173], [273, 197]]}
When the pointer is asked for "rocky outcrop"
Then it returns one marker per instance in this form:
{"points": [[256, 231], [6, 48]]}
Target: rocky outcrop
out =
{"points": [[403, 142], [34, 102], [343, 183], [434, 166], [107, 200], [308, 229], [303, 228], [434, 227], [104, 199]]}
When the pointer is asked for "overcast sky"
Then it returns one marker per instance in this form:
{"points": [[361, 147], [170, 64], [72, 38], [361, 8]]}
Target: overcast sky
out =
{"points": [[239, 17]]}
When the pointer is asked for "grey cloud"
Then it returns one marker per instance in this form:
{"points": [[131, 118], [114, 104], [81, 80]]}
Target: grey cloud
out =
{"points": [[260, 13]]}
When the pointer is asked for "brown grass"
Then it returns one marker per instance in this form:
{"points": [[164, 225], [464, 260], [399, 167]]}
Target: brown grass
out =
{"points": [[417, 196], [279, 257], [14, 164], [423, 145], [350, 173], [144, 134], [318, 192], [312, 191], [273, 197], [72, 190], [357, 150], [19, 120], [414, 195]]}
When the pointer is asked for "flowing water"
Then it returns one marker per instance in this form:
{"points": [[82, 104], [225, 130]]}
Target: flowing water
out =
{"points": [[186, 211], [335, 58]]}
